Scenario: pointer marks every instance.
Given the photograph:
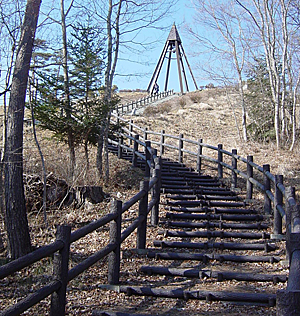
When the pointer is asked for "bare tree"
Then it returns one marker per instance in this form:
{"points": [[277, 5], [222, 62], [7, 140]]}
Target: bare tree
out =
{"points": [[225, 21], [67, 105], [16, 217], [123, 20], [269, 19]]}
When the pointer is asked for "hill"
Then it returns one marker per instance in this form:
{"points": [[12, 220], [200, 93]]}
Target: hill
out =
{"points": [[213, 115]]}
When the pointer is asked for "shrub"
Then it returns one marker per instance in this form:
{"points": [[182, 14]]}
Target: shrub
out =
{"points": [[164, 107], [195, 98], [182, 102]]}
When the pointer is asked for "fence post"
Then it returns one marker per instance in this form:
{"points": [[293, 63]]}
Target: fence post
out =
{"points": [[289, 203], [199, 155], [267, 184], [120, 147], [118, 120], [60, 271], [220, 160], [135, 149], [156, 192], [148, 158], [153, 155], [287, 301], [114, 238], [249, 175], [162, 142], [145, 134], [234, 166], [278, 200], [143, 208], [180, 147], [130, 131]]}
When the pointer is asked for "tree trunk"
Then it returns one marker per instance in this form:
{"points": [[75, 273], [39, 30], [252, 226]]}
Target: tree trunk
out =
{"points": [[112, 58], [68, 107], [16, 217]]}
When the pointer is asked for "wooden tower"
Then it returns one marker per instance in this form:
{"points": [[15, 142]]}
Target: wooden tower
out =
{"points": [[173, 46]]}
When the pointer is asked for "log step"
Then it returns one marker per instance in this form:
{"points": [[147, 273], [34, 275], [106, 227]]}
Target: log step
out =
{"points": [[214, 245], [209, 257], [208, 210], [198, 191], [220, 217], [219, 275], [220, 225], [202, 197], [254, 298], [105, 313], [213, 234], [205, 203], [188, 185]]}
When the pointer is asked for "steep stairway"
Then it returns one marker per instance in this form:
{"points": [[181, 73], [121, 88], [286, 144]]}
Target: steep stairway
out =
{"points": [[212, 245]]}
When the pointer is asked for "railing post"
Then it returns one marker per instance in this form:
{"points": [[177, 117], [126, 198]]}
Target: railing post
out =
{"points": [[130, 131], [249, 175], [115, 238], [60, 271], [234, 167], [148, 158], [289, 199], [156, 192], [180, 147], [287, 301], [143, 208], [162, 142], [145, 134], [278, 200], [120, 147], [135, 149], [267, 185], [199, 155], [153, 155], [220, 160]]}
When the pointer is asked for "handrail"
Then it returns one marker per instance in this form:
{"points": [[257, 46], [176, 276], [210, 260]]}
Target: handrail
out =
{"points": [[130, 106], [65, 238], [159, 139]]}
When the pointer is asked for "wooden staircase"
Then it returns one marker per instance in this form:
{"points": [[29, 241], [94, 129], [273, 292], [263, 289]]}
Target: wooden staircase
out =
{"points": [[212, 245]]}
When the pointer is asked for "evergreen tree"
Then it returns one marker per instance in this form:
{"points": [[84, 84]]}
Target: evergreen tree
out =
{"points": [[87, 106], [86, 52], [259, 103]]}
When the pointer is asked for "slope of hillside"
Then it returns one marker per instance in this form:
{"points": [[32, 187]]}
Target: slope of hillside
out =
{"points": [[210, 115]]}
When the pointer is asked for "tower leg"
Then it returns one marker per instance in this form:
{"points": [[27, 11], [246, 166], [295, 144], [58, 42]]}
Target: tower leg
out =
{"points": [[179, 67], [168, 69]]}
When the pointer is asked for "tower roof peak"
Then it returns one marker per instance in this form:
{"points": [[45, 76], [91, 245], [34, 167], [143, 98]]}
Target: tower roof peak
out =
{"points": [[174, 35]]}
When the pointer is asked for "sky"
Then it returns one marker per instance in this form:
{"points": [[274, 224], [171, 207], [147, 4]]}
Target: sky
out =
{"points": [[182, 14]]}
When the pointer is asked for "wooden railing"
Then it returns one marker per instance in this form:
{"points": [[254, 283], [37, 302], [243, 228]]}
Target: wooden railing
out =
{"points": [[64, 238], [129, 107], [279, 200]]}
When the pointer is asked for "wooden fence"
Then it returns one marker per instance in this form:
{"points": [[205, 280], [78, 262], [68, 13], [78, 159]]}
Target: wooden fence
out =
{"points": [[129, 107], [278, 200], [148, 199]]}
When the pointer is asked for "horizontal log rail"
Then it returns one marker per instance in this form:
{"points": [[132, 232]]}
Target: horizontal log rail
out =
{"points": [[148, 199], [130, 106]]}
